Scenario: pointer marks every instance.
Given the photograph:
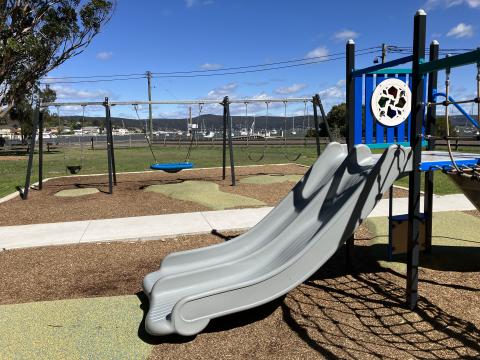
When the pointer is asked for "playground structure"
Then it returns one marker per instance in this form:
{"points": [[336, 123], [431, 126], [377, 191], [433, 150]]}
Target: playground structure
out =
{"points": [[227, 137], [323, 210]]}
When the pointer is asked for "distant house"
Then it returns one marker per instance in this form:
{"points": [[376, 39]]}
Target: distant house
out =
{"points": [[121, 131], [91, 130]]}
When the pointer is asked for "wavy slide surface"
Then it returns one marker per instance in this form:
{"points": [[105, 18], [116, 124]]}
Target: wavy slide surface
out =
{"points": [[284, 249]]}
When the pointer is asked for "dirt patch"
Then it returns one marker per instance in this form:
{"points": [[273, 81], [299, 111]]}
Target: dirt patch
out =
{"points": [[473, 212], [129, 197], [87, 270], [397, 193]]}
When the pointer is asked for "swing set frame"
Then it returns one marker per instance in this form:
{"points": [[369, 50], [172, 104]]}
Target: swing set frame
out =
{"points": [[227, 140]]}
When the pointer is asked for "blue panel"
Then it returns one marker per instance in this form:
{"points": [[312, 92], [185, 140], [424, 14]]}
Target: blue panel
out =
{"points": [[401, 127], [368, 109], [446, 165], [380, 133], [357, 126], [390, 130]]}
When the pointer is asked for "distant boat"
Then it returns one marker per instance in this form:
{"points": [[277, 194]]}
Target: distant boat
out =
{"points": [[209, 134]]}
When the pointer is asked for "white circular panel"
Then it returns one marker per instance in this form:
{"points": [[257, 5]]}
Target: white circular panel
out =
{"points": [[391, 101]]}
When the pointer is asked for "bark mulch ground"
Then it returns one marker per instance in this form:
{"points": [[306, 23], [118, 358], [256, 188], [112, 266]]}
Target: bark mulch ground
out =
{"points": [[129, 199], [331, 315]]}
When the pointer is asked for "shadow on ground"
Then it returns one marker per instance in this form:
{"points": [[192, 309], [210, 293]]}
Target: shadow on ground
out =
{"points": [[218, 325], [364, 315]]}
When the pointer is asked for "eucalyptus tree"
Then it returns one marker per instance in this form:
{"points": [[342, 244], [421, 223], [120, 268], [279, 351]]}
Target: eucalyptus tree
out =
{"points": [[36, 36]]}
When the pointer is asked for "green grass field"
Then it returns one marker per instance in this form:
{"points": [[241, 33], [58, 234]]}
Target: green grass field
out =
{"points": [[12, 172]]}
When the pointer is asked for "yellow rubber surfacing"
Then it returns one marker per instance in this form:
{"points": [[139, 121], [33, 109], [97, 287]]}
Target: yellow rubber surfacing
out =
{"points": [[95, 328], [76, 192], [204, 193]]}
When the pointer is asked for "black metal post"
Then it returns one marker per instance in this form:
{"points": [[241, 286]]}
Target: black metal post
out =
{"points": [[224, 143], [317, 127], [414, 220], [112, 148], [430, 129], [350, 121], [109, 145], [324, 117], [40, 150], [230, 142], [31, 153], [390, 221]]}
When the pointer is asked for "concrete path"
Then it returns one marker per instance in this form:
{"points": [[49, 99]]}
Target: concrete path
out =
{"points": [[162, 226]]}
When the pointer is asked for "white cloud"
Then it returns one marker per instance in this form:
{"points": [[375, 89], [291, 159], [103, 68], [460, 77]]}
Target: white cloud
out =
{"points": [[209, 66], [473, 3], [461, 30], [336, 92], [290, 89], [432, 4], [191, 3], [345, 35], [221, 91], [104, 55], [320, 51], [67, 92]]}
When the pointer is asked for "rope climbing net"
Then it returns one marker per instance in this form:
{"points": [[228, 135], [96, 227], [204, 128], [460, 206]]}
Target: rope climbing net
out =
{"points": [[466, 171]]}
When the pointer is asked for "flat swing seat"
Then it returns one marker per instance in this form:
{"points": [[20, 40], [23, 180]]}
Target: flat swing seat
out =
{"points": [[172, 167], [74, 169]]}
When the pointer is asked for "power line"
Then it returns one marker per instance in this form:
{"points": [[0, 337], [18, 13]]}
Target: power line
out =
{"points": [[91, 81], [206, 70], [257, 70], [220, 72], [264, 65]]}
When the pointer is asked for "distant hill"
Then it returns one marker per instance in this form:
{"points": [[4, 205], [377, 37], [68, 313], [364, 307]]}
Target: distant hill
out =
{"points": [[208, 121], [215, 122]]}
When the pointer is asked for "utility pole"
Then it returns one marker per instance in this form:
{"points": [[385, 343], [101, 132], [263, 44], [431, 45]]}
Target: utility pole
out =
{"points": [[150, 120], [384, 52]]}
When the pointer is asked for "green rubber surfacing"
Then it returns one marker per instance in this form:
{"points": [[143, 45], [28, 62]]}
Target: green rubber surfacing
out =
{"points": [[94, 328], [455, 243], [204, 193], [270, 179]]}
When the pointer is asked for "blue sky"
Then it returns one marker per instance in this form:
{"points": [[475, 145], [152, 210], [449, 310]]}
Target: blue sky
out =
{"points": [[183, 35]]}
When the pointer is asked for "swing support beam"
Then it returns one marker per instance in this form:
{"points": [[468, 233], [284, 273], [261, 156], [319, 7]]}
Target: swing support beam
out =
{"points": [[107, 104]]}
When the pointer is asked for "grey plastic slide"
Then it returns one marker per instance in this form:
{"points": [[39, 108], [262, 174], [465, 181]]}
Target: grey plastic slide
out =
{"points": [[295, 239]]}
